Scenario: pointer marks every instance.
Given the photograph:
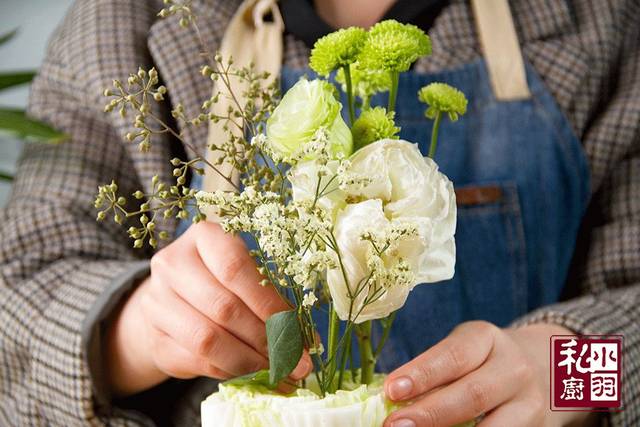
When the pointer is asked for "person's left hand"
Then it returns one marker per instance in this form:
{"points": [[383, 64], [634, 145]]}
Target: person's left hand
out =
{"points": [[480, 369]]}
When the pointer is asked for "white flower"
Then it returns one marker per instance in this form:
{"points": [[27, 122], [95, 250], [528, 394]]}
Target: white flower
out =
{"points": [[304, 178], [310, 105], [408, 204], [413, 189], [309, 299]]}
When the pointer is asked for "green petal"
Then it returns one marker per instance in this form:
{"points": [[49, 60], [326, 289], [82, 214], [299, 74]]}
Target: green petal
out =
{"points": [[337, 49], [393, 46], [373, 125], [440, 97]]}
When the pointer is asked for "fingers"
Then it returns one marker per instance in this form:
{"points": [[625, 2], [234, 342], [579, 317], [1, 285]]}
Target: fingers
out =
{"points": [[203, 291], [178, 362], [200, 336], [463, 400], [464, 350], [527, 412], [227, 258]]}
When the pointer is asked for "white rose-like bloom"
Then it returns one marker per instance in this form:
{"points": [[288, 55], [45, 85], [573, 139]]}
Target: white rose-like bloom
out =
{"points": [[245, 407], [404, 187], [308, 106], [304, 178]]}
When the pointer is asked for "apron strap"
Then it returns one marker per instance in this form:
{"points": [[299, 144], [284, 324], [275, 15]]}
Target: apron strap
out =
{"points": [[248, 38], [501, 49]]}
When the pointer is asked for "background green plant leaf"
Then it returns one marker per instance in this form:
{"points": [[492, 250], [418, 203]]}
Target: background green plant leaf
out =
{"points": [[5, 177], [8, 36], [259, 378], [15, 78], [285, 345], [16, 123]]}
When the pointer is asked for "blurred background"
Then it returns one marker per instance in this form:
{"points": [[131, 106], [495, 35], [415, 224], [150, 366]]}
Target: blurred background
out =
{"points": [[35, 20]]}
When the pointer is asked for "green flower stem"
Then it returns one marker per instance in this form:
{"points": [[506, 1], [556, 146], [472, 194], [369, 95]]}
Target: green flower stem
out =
{"points": [[434, 134], [386, 329], [367, 361], [393, 93], [334, 331], [346, 354], [347, 79]]}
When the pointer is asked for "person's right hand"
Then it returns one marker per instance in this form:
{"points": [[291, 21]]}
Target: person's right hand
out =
{"points": [[201, 312]]}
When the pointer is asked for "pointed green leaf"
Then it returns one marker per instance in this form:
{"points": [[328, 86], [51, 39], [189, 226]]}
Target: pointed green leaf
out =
{"points": [[8, 36], [16, 123], [5, 177], [259, 378], [284, 338], [16, 78]]}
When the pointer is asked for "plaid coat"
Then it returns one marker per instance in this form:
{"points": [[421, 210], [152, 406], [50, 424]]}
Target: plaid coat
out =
{"points": [[61, 273]]}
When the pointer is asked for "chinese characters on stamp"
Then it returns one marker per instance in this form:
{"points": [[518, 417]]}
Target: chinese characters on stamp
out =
{"points": [[586, 372]]}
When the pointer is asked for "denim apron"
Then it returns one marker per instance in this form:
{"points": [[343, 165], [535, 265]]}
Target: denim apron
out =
{"points": [[529, 181]]}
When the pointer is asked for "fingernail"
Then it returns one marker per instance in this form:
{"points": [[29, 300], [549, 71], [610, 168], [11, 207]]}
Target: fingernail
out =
{"points": [[403, 422], [399, 389], [303, 368]]}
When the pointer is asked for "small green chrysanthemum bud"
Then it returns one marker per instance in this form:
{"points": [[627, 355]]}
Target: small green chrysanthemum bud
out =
{"points": [[158, 97], [145, 206], [163, 235], [163, 13], [181, 180], [167, 214], [138, 243], [117, 218], [177, 172], [144, 220], [141, 73], [337, 49], [153, 74], [101, 216], [183, 214], [373, 125], [107, 92], [161, 186], [393, 46], [151, 226], [155, 180], [122, 201], [153, 242], [144, 108], [184, 22], [131, 230], [138, 194], [440, 97]]}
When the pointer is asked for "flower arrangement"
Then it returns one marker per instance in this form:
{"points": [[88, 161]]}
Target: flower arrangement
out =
{"points": [[345, 217]]}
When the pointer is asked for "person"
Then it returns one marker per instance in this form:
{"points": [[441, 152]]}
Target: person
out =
{"points": [[97, 333]]}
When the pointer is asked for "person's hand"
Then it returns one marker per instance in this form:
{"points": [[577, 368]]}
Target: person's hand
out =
{"points": [[480, 369], [201, 312]]}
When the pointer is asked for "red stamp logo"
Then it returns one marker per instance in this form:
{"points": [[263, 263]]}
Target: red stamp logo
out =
{"points": [[586, 372]]}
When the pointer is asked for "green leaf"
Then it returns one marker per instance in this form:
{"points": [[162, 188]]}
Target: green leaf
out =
{"points": [[16, 78], [285, 345], [259, 378], [5, 177], [16, 123], [8, 36]]}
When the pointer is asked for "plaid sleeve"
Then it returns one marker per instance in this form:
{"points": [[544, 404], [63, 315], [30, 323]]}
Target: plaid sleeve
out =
{"points": [[608, 269], [56, 261]]}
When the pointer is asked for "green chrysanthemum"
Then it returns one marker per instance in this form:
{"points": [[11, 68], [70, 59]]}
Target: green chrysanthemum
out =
{"points": [[373, 125], [337, 49], [393, 46], [440, 97], [366, 83]]}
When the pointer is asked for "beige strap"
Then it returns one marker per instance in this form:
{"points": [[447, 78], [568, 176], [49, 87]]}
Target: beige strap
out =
{"points": [[501, 49], [248, 38]]}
